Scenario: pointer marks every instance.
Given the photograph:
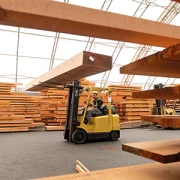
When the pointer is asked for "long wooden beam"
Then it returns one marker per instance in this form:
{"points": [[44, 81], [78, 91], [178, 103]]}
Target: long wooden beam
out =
{"points": [[82, 65], [165, 63], [162, 93], [66, 18], [155, 171], [165, 151], [163, 121]]}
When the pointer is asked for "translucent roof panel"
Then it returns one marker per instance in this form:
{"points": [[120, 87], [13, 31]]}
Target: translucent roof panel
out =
{"points": [[127, 7], [69, 48], [176, 81], [31, 67], [90, 4], [7, 68], [8, 43], [35, 46], [9, 28]]}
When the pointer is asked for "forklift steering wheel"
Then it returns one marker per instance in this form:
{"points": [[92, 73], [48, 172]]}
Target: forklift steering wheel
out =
{"points": [[90, 105]]}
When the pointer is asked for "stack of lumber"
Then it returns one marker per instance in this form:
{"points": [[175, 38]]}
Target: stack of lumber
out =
{"points": [[121, 92], [86, 83], [10, 122], [27, 106], [5, 88], [53, 106], [128, 108], [18, 112]]}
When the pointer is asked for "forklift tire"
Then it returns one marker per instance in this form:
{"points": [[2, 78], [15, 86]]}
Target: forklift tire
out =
{"points": [[79, 136], [114, 136]]}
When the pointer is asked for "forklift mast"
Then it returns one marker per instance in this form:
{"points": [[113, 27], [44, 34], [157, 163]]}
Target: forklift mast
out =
{"points": [[160, 103], [72, 109]]}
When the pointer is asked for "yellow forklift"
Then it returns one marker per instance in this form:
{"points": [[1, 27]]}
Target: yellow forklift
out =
{"points": [[161, 105], [77, 130]]}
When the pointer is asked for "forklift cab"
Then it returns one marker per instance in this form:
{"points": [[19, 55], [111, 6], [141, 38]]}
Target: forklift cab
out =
{"points": [[105, 126]]}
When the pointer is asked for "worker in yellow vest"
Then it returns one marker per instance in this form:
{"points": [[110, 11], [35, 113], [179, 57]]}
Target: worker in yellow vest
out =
{"points": [[97, 103]]}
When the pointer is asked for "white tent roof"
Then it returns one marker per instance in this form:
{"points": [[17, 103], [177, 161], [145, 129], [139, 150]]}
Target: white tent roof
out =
{"points": [[26, 53]]}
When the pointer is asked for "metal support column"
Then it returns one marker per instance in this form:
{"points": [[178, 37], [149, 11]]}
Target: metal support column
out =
{"points": [[17, 58]]}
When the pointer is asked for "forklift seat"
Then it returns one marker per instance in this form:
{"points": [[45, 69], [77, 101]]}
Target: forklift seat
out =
{"points": [[104, 110]]}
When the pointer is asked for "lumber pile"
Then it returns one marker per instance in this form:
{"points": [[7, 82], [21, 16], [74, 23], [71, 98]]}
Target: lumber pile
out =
{"points": [[10, 122], [53, 107], [132, 110], [5, 88], [164, 151], [128, 108], [24, 105], [18, 112]]}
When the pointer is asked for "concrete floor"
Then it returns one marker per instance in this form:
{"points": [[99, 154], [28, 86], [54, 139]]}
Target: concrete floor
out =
{"points": [[40, 154]]}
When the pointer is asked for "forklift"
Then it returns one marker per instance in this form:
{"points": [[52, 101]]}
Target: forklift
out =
{"points": [[161, 105], [105, 126]]}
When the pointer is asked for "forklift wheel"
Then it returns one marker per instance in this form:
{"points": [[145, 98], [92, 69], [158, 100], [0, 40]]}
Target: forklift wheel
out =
{"points": [[114, 136], [79, 136]]}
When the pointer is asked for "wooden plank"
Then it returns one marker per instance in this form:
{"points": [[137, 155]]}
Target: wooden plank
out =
{"points": [[10, 121], [162, 93], [133, 124], [137, 102], [44, 15], [73, 69], [79, 169], [165, 63], [16, 125], [39, 124], [54, 128], [154, 171], [14, 129], [135, 109], [82, 166], [164, 151], [172, 121]]}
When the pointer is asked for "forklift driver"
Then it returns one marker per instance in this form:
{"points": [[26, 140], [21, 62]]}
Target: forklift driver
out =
{"points": [[97, 103]]}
